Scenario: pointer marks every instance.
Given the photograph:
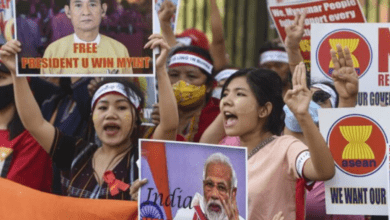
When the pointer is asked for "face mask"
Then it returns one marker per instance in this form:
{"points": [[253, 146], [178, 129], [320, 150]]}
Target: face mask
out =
{"points": [[217, 93], [187, 94], [292, 123], [7, 95]]}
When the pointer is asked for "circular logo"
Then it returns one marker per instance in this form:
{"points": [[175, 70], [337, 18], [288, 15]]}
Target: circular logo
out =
{"points": [[359, 47], [358, 145]]}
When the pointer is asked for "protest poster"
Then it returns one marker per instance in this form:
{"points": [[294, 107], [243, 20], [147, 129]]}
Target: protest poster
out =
{"points": [[58, 39], [148, 87], [176, 187], [370, 49], [358, 141], [6, 21], [318, 11], [173, 21]]}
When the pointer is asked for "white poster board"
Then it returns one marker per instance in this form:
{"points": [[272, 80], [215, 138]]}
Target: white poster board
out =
{"points": [[358, 141], [370, 49]]}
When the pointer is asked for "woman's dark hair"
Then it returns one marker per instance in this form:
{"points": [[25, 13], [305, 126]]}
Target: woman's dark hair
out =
{"points": [[203, 53], [127, 84], [321, 96], [266, 85]]}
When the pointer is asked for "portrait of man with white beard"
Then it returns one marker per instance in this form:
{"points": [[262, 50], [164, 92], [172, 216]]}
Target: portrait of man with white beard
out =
{"points": [[219, 193]]}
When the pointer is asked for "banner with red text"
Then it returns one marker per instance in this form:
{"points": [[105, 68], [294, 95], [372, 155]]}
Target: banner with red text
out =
{"points": [[84, 38], [318, 11], [358, 139], [370, 50]]}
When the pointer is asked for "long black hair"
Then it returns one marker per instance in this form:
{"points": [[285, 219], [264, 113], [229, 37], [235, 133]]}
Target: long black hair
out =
{"points": [[136, 133], [266, 85]]}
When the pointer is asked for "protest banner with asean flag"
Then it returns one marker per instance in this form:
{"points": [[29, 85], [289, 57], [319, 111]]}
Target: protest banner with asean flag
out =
{"points": [[318, 11], [370, 49], [358, 139]]}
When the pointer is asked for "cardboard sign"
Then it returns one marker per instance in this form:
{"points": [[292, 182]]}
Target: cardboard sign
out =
{"points": [[176, 185], [358, 141], [6, 21], [174, 17], [105, 39], [318, 11], [370, 50]]}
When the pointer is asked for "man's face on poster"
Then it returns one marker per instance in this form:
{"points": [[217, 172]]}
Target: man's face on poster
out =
{"points": [[217, 186], [86, 15]]}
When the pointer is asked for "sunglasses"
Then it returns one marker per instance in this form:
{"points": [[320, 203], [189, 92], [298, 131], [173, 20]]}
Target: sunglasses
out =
{"points": [[320, 96]]}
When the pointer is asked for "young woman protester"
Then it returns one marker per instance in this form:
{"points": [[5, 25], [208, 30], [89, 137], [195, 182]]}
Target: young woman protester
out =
{"points": [[190, 72], [325, 95], [105, 171], [252, 108], [19, 152]]}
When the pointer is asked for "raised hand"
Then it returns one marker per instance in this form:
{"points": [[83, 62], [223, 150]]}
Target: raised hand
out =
{"points": [[298, 98], [294, 32], [230, 206], [166, 11], [134, 188], [156, 40], [346, 80], [8, 52]]}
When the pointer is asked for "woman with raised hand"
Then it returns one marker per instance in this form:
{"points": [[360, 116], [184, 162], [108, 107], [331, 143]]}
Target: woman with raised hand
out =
{"points": [[278, 166], [106, 171], [190, 71]]}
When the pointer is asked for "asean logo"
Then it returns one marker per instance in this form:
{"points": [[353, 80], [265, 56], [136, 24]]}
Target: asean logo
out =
{"points": [[358, 45], [358, 145]]}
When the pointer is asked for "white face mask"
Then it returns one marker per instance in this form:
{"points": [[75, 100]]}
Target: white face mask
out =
{"points": [[217, 93]]}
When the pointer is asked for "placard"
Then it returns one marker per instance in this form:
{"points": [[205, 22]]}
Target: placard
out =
{"points": [[87, 39], [318, 11], [358, 141], [370, 50], [179, 185]]}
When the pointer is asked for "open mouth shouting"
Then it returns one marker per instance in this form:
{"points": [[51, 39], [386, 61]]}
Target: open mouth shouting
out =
{"points": [[214, 207], [111, 128], [230, 119]]}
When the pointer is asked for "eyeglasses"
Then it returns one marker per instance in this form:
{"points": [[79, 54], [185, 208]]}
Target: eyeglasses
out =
{"points": [[320, 96], [209, 185]]}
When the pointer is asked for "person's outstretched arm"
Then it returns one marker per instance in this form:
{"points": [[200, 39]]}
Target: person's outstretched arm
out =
{"points": [[165, 14], [26, 105], [217, 47], [169, 113], [320, 165]]}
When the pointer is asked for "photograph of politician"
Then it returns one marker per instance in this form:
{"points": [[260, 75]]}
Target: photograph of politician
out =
{"points": [[192, 181], [84, 37]]}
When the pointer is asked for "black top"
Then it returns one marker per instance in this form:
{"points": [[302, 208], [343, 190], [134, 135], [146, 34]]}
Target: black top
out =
{"points": [[73, 156]]}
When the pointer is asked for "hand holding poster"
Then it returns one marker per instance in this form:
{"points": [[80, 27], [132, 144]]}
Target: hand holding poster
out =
{"points": [[358, 141], [83, 37], [167, 11], [318, 11], [370, 50], [187, 180]]}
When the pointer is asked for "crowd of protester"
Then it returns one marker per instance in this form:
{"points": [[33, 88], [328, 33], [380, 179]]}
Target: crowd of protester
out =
{"points": [[271, 109]]}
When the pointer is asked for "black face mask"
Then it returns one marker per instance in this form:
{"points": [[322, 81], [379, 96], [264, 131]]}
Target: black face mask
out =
{"points": [[6, 95]]}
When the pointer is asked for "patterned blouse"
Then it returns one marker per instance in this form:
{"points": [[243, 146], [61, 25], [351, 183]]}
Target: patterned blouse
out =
{"points": [[73, 156]]}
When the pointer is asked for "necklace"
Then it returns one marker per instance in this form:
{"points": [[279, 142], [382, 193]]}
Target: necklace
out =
{"points": [[261, 145]]}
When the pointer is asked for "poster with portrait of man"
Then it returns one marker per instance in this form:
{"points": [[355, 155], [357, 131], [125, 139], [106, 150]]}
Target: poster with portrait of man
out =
{"points": [[192, 181], [84, 37]]}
